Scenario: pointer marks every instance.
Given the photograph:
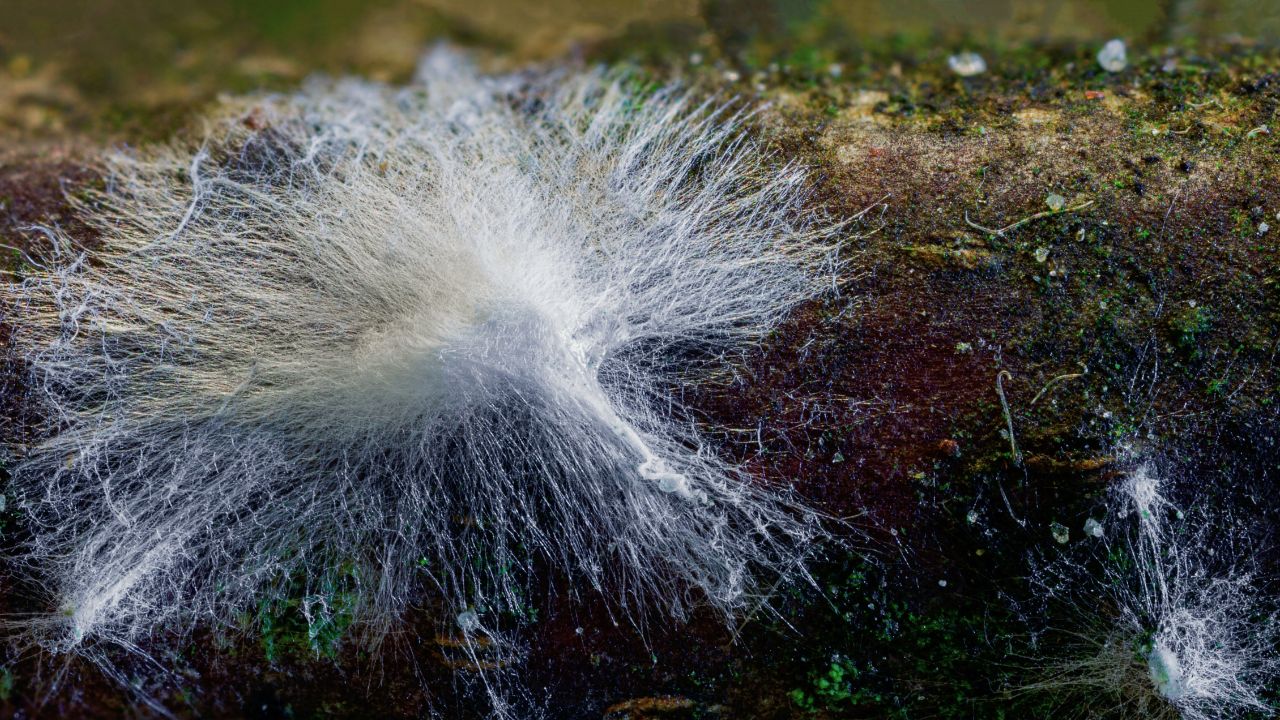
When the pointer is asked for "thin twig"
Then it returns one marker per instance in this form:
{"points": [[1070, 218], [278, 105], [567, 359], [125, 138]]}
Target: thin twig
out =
{"points": [[1008, 419], [872, 206], [1025, 220], [975, 225], [1049, 384]]}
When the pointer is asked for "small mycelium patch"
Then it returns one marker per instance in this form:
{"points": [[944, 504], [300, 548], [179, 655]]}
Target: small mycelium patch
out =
{"points": [[1163, 615], [393, 339]]}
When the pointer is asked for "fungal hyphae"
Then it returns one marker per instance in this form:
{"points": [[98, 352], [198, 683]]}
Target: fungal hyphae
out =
{"points": [[1156, 612], [409, 342]]}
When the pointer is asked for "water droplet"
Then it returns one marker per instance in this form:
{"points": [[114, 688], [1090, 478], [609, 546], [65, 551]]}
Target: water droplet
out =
{"points": [[967, 64], [1060, 533], [1166, 672], [1113, 56], [1092, 528], [468, 620]]}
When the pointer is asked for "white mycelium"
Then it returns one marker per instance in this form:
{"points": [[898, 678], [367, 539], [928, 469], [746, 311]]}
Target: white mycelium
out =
{"points": [[408, 341], [1174, 626]]}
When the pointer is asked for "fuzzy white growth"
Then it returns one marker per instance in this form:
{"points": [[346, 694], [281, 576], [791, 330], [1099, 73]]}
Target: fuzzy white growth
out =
{"points": [[1175, 626], [376, 338]]}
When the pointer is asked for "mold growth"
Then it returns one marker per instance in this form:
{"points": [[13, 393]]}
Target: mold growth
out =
{"points": [[411, 342], [1167, 620]]}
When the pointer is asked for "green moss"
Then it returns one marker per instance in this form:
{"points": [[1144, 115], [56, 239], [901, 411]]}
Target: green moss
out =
{"points": [[304, 624], [886, 656], [1189, 324]]}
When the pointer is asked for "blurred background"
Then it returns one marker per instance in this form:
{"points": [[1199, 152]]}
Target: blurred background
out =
{"points": [[121, 63]]}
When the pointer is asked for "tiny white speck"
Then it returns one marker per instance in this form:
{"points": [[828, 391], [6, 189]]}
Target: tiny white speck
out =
{"points": [[1113, 56], [967, 64], [468, 620]]}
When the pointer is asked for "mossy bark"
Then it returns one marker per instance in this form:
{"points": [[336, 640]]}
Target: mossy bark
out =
{"points": [[1137, 309]]}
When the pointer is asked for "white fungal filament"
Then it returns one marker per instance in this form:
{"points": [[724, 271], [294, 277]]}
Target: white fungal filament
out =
{"points": [[416, 340]]}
